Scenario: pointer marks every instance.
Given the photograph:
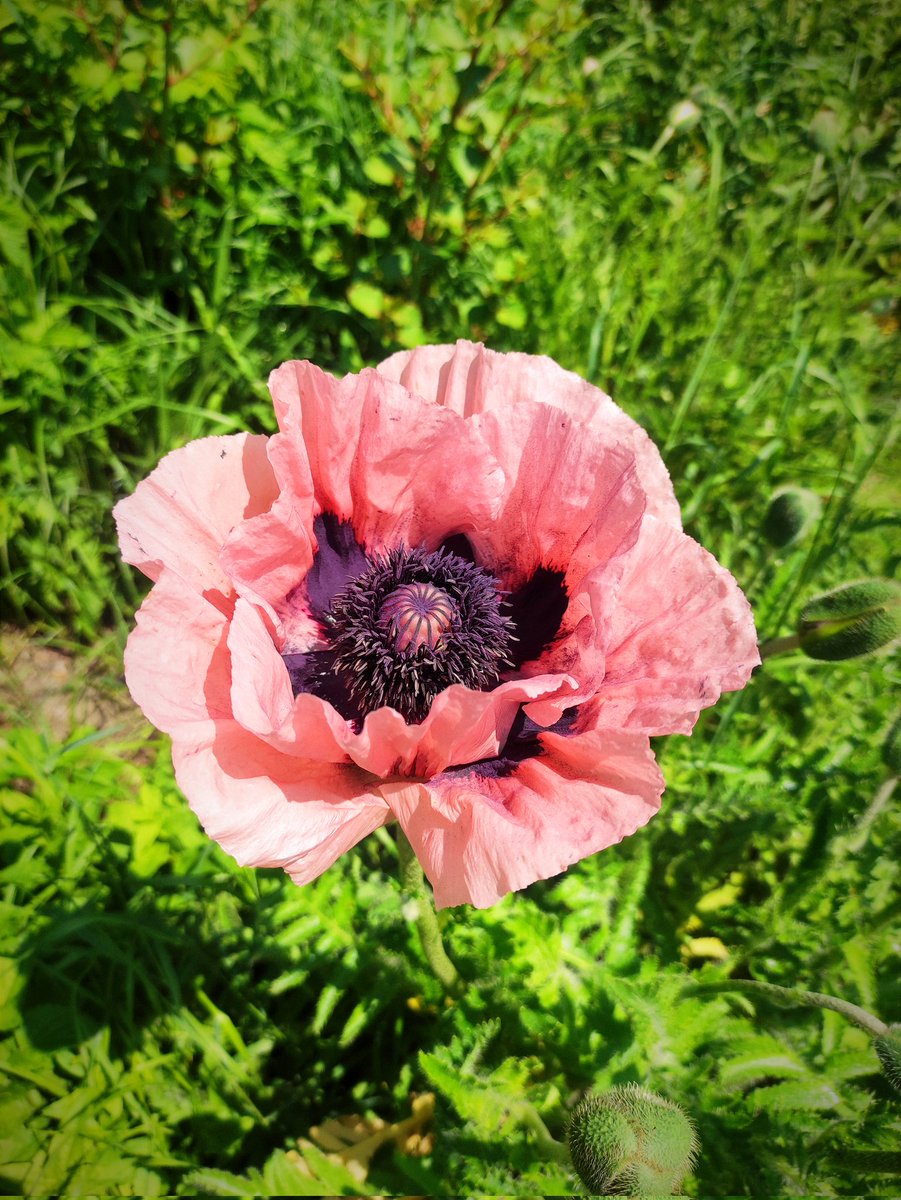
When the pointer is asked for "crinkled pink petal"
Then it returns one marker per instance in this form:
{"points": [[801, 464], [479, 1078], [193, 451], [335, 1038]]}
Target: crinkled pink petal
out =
{"points": [[267, 810], [480, 837], [462, 726], [570, 503], [577, 651], [176, 661], [677, 633], [403, 471], [262, 700], [470, 379], [180, 515], [268, 557]]}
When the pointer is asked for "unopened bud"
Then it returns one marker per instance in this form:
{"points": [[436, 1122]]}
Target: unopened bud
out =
{"points": [[888, 1047], [792, 513], [855, 619], [631, 1142], [827, 129], [684, 115]]}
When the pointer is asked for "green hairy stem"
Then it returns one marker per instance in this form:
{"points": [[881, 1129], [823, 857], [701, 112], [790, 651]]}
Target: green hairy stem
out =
{"points": [[412, 881], [796, 998]]}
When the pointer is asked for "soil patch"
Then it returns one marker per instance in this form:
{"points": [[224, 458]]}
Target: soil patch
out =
{"points": [[60, 691]]}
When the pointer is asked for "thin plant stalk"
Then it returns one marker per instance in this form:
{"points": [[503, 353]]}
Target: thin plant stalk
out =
{"points": [[779, 645], [412, 881], [785, 997]]}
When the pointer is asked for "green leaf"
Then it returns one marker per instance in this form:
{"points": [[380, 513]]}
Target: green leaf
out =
{"points": [[379, 170], [282, 1177], [807, 1095], [224, 1183], [332, 1178], [513, 314], [367, 299], [770, 1059], [10, 985], [14, 226]]}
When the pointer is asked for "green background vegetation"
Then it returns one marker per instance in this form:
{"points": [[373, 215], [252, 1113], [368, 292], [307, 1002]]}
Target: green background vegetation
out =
{"points": [[192, 193]]}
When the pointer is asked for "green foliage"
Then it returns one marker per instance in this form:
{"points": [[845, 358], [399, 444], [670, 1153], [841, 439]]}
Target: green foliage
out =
{"points": [[693, 206], [314, 1175], [189, 196]]}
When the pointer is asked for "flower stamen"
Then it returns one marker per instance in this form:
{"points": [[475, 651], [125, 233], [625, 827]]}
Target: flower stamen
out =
{"points": [[412, 624]]}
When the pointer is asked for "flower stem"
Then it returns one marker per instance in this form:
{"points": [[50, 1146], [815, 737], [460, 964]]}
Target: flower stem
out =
{"points": [[779, 645], [861, 830], [412, 881], [548, 1145], [796, 998]]}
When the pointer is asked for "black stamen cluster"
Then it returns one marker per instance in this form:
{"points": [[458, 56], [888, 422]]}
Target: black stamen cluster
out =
{"points": [[471, 652]]}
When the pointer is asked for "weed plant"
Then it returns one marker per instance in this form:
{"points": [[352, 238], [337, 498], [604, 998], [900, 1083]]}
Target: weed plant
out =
{"points": [[693, 205]]}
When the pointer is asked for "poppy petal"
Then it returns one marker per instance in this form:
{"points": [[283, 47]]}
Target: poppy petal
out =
{"points": [[180, 515], [479, 836], [677, 632], [399, 469], [267, 810], [470, 379], [176, 660]]}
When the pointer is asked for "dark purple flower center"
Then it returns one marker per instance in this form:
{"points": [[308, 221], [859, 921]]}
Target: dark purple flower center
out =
{"points": [[413, 623], [400, 628]]}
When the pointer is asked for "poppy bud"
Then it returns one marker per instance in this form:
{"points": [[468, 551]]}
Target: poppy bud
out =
{"points": [[888, 1047], [684, 115], [854, 619], [792, 513], [630, 1142]]}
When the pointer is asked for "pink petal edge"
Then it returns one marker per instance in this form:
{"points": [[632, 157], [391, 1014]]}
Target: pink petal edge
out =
{"points": [[469, 379], [479, 838], [267, 810], [180, 515], [368, 452], [678, 631], [176, 661]]}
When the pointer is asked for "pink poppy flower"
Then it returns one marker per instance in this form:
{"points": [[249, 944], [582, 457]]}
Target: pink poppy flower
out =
{"points": [[453, 591]]}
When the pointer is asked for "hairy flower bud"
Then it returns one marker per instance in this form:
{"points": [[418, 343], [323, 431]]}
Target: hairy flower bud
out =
{"points": [[630, 1142], [792, 513], [888, 1047], [854, 619]]}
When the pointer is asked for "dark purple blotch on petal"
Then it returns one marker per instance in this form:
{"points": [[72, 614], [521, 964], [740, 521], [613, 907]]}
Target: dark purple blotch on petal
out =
{"points": [[523, 742], [459, 545], [314, 671], [338, 560], [536, 610]]}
